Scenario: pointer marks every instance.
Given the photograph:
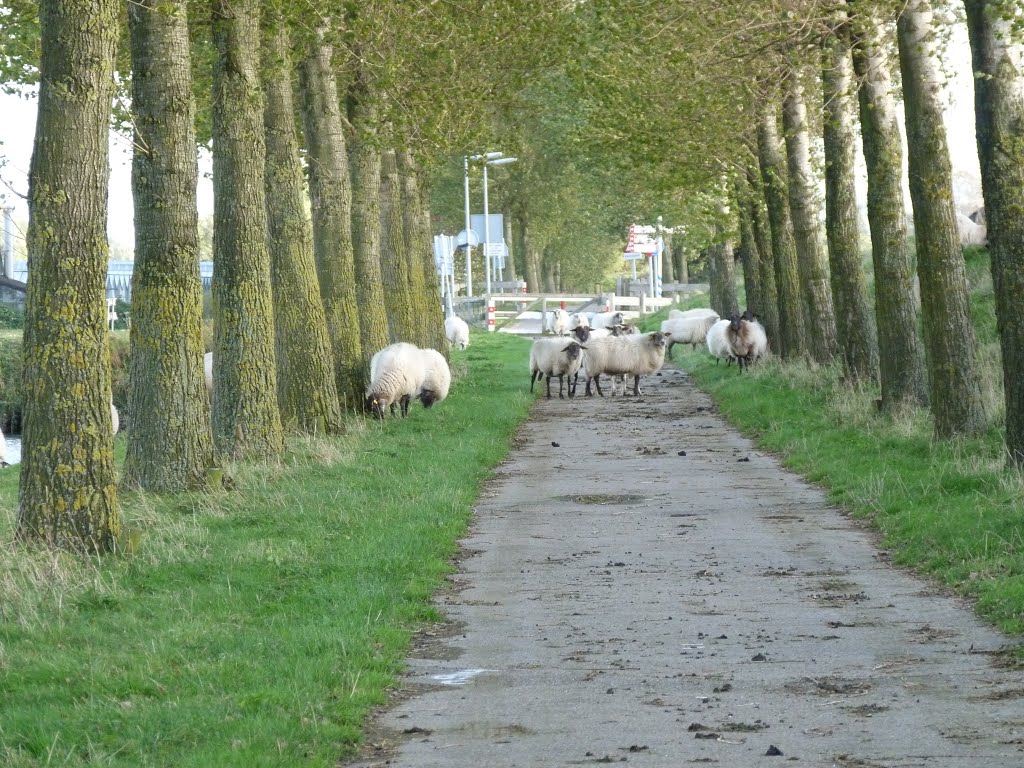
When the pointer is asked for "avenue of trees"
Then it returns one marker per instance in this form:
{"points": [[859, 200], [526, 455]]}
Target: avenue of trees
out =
{"points": [[338, 131]]}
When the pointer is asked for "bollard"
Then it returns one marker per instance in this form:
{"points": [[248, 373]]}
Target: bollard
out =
{"points": [[490, 315]]}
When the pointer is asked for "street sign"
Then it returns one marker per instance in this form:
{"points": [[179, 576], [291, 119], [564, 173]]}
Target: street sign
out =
{"points": [[632, 256], [496, 250]]}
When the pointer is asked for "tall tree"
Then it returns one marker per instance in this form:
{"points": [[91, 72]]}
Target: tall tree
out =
{"points": [[998, 60], [399, 300], [747, 251], [366, 235], [900, 351], [787, 276], [419, 245], [330, 192], [803, 206], [768, 309], [246, 419], [948, 331], [169, 444], [307, 394], [68, 494], [857, 344]]}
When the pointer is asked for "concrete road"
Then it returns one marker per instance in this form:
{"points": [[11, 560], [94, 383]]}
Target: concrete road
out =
{"points": [[619, 601]]}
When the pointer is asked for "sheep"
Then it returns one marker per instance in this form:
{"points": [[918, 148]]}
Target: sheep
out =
{"points": [[115, 417], [457, 331], [606, 319], [615, 330], [676, 314], [759, 339], [437, 378], [578, 320], [557, 322], [718, 344], [688, 330], [736, 339], [555, 357], [208, 371], [626, 356], [397, 374], [581, 333]]}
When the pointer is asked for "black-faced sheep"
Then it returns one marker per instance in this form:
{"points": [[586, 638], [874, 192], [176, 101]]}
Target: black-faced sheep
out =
{"points": [[624, 356], [555, 357], [692, 329]]}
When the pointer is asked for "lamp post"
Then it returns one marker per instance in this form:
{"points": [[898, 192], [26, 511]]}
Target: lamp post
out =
{"points": [[487, 217], [469, 250]]}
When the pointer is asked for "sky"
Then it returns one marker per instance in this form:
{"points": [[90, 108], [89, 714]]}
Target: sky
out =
{"points": [[18, 115]]}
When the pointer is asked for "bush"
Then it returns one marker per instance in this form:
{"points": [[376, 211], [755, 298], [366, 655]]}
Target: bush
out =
{"points": [[12, 317]]}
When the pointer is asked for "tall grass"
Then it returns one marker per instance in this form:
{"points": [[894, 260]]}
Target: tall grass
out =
{"points": [[951, 510], [255, 626]]}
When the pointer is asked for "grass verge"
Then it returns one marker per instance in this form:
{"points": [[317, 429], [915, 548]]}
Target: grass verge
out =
{"points": [[255, 627]]}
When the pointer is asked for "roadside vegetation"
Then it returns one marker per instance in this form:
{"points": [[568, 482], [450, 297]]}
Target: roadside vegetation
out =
{"points": [[950, 510], [255, 625]]}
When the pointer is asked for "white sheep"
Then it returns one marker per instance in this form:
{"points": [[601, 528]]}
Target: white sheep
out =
{"points": [[625, 356], [737, 339], [557, 322], [437, 378], [606, 319], [115, 417], [396, 375], [718, 344], [758, 336], [688, 330], [555, 357], [208, 371], [457, 331], [579, 320], [674, 314]]}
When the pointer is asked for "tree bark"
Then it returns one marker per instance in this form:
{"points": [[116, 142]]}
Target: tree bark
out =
{"points": [[681, 267], [246, 419], [900, 351], [530, 255], [307, 394], [948, 330], [747, 252], [68, 495], [667, 268], [857, 343], [787, 276], [722, 273], [400, 304], [419, 244], [999, 112], [330, 192], [768, 309], [803, 206], [169, 443]]}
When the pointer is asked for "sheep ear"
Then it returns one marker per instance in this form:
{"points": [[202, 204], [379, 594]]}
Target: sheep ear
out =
{"points": [[582, 347]]}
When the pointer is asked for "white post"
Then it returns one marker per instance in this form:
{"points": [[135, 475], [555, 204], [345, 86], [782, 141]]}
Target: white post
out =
{"points": [[643, 304], [650, 273], [490, 314], [469, 250], [487, 234]]}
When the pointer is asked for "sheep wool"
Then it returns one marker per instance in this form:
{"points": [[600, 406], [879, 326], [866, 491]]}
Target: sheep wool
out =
{"points": [[634, 356], [557, 322], [437, 378], [688, 330], [396, 375], [457, 331], [606, 319], [555, 357]]}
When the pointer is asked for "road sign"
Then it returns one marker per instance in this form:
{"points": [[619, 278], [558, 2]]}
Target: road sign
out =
{"points": [[632, 256]]}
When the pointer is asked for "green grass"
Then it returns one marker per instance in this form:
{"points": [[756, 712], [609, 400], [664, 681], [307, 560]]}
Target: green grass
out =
{"points": [[257, 626]]}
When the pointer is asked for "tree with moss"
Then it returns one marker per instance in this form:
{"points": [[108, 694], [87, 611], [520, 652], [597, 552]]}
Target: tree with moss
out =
{"points": [[169, 444], [67, 496]]}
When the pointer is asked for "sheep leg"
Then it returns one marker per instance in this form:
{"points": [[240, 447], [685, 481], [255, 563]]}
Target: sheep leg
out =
{"points": [[560, 395], [405, 405], [636, 386], [549, 386], [597, 383], [669, 350], [533, 379]]}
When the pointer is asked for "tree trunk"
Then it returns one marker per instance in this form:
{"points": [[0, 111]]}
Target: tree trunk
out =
{"points": [[68, 494], [531, 257], [246, 419], [330, 192], [900, 352], [768, 309], [722, 274], [419, 243], [400, 304], [999, 112], [169, 444], [306, 390], [747, 252], [803, 206], [366, 236], [681, 267], [787, 276], [948, 330], [856, 337], [668, 273]]}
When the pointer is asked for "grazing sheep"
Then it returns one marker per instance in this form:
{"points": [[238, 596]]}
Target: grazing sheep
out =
{"points": [[555, 357], [688, 330], [606, 319], [625, 356], [396, 375], [436, 379], [457, 331], [557, 322]]}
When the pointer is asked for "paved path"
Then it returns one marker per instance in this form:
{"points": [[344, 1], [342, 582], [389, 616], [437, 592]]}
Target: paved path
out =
{"points": [[620, 602]]}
